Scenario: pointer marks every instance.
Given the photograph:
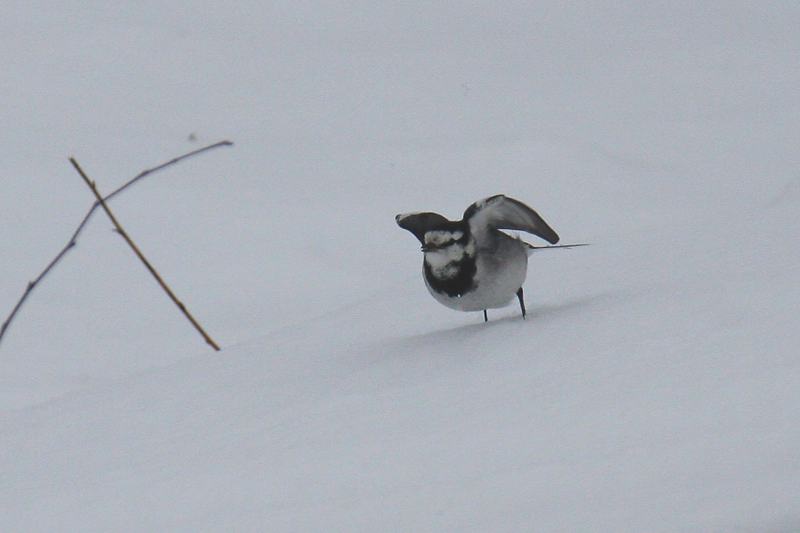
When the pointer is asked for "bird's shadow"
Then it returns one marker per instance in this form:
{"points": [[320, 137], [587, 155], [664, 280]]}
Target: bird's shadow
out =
{"points": [[536, 314]]}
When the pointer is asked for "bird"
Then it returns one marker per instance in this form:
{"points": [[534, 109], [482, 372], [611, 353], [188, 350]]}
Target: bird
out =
{"points": [[470, 264]]}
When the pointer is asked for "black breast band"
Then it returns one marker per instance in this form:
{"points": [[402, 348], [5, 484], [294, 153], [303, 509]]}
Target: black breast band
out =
{"points": [[457, 285]]}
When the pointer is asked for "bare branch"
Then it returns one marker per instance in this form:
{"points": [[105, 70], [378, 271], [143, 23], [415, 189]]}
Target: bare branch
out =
{"points": [[144, 173], [74, 239], [141, 256]]}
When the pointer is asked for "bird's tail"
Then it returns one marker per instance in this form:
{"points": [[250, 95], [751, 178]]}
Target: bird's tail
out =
{"points": [[532, 248]]}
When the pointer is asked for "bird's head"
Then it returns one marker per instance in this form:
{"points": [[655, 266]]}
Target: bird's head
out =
{"points": [[443, 241]]}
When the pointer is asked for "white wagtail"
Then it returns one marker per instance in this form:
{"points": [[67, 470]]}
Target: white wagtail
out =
{"points": [[469, 264]]}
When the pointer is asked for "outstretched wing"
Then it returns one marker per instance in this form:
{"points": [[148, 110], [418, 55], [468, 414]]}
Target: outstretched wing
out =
{"points": [[502, 212], [419, 223]]}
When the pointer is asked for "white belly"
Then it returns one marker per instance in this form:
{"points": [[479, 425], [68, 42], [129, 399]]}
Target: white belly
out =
{"points": [[499, 276]]}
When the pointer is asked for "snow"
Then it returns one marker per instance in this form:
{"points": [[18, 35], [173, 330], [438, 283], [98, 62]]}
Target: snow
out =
{"points": [[654, 386]]}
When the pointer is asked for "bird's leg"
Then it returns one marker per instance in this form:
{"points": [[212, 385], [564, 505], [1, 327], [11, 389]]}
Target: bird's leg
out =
{"points": [[485, 318], [521, 302]]}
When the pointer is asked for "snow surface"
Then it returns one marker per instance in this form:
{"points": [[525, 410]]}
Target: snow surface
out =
{"points": [[653, 388]]}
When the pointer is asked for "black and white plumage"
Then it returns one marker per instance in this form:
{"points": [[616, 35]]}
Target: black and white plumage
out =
{"points": [[469, 264]]}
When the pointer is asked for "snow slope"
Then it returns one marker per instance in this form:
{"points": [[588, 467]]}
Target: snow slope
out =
{"points": [[653, 388]]}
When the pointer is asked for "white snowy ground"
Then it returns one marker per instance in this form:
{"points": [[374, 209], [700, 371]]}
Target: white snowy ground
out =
{"points": [[655, 386]]}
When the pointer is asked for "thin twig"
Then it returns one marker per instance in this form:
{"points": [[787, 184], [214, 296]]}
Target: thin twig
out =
{"points": [[74, 239], [141, 256], [164, 165]]}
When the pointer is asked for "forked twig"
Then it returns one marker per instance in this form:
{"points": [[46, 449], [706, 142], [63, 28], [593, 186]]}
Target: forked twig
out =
{"points": [[141, 256], [74, 239]]}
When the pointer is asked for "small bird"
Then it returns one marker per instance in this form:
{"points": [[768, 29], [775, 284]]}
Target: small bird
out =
{"points": [[469, 264]]}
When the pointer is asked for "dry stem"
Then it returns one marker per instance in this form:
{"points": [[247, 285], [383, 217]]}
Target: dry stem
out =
{"points": [[74, 239], [141, 256]]}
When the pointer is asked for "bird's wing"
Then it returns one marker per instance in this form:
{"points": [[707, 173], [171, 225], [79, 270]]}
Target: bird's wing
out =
{"points": [[419, 223], [502, 212]]}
